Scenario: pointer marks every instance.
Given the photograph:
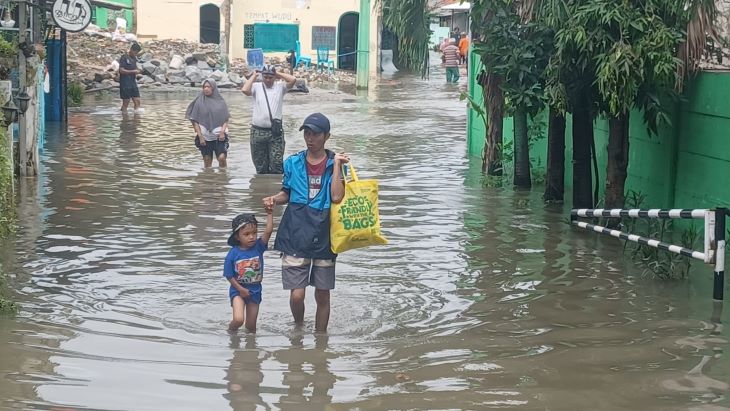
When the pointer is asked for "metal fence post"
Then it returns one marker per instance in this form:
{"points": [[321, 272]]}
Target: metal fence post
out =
{"points": [[719, 285]]}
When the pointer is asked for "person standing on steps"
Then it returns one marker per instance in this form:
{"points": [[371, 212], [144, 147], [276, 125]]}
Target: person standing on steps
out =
{"points": [[267, 134]]}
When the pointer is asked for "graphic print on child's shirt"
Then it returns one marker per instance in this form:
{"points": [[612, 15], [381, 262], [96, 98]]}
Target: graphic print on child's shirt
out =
{"points": [[248, 270]]}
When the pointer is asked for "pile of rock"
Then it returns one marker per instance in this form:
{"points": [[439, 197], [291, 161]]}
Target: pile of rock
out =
{"points": [[93, 56], [314, 76], [190, 69]]}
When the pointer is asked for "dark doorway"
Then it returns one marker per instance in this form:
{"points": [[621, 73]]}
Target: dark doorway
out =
{"points": [[347, 41], [210, 24]]}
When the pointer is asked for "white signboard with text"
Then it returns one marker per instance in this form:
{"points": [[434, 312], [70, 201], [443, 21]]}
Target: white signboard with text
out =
{"points": [[72, 15]]}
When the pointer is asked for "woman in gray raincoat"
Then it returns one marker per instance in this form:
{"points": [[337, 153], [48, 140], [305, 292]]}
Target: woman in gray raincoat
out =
{"points": [[209, 115]]}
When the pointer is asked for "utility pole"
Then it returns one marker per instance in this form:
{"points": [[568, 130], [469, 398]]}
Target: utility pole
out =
{"points": [[226, 38], [22, 80], [363, 46], [134, 17]]}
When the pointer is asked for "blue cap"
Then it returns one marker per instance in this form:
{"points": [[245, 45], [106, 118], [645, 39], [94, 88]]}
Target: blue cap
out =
{"points": [[316, 122]]}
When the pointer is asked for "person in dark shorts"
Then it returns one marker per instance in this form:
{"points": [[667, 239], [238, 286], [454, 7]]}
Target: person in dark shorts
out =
{"points": [[209, 115], [312, 182], [128, 77]]}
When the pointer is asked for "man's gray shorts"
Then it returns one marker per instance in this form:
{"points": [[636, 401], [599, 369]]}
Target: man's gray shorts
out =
{"points": [[299, 272]]}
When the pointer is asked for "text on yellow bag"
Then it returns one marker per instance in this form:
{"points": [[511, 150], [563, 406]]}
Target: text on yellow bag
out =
{"points": [[355, 221]]}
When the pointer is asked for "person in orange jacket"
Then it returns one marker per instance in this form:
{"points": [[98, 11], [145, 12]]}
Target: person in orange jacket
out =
{"points": [[463, 47]]}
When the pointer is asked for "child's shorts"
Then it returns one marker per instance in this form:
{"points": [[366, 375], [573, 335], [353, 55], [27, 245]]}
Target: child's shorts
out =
{"points": [[253, 289]]}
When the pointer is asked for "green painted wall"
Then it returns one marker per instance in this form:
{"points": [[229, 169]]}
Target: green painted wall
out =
{"points": [[684, 166], [103, 15], [703, 155]]}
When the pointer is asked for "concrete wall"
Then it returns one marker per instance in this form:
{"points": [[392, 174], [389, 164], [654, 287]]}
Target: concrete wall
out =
{"points": [[703, 148], [685, 166]]}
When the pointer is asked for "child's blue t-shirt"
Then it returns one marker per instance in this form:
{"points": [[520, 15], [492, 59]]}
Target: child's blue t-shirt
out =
{"points": [[246, 266]]}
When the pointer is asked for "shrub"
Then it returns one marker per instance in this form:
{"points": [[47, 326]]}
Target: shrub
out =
{"points": [[75, 94]]}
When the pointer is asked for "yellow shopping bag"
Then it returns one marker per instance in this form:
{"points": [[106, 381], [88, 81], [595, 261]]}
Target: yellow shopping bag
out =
{"points": [[355, 221]]}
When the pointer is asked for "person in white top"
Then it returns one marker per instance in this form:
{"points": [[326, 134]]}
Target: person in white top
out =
{"points": [[267, 134]]}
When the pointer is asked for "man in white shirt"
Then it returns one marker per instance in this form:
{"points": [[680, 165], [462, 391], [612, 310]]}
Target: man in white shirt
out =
{"points": [[267, 135]]}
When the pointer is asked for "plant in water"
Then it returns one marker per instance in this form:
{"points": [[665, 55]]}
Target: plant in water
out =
{"points": [[661, 264], [75, 94], [7, 306], [7, 211], [6, 185]]}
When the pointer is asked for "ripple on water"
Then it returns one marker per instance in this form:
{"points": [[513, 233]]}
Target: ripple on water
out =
{"points": [[483, 299]]}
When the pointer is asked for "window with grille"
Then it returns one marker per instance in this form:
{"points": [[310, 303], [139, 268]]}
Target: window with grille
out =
{"points": [[324, 37], [248, 37]]}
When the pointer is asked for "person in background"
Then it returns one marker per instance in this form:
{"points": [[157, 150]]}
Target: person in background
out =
{"points": [[451, 55], [442, 47], [455, 34], [463, 47], [267, 134], [128, 77], [209, 115], [291, 58]]}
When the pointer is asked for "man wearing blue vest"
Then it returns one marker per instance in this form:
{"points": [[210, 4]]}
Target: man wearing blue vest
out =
{"points": [[312, 182]]}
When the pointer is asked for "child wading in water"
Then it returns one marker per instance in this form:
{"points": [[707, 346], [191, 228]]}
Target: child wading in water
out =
{"points": [[244, 268]]}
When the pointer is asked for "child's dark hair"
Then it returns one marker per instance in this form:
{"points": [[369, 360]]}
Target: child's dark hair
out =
{"points": [[242, 220], [239, 222]]}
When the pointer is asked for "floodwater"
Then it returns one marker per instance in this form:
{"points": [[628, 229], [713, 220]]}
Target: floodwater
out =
{"points": [[484, 298]]}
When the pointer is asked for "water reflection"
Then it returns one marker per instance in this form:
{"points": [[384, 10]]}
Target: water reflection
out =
{"points": [[306, 374], [244, 375]]}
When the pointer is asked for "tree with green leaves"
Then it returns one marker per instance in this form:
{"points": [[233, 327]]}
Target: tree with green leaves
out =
{"points": [[611, 57], [635, 47], [515, 52], [490, 79]]}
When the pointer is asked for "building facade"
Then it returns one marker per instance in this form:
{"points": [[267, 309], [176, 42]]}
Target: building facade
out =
{"points": [[105, 17], [275, 26]]}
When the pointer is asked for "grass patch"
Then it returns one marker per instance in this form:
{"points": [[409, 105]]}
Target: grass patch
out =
{"points": [[658, 263], [75, 94], [7, 213], [7, 306]]}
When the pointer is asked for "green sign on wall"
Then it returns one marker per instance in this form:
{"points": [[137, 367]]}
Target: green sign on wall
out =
{"points": [[275, 36]]}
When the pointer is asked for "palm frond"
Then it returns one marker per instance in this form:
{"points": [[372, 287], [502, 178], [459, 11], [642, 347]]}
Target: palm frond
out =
{"points": [[409, 20], [702, 26]]}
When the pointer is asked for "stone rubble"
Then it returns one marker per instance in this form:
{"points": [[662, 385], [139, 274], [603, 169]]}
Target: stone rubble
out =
{"points": [[93, 56]]}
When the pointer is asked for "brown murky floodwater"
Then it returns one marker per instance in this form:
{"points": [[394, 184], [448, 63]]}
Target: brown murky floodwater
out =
{"points": [[484, 298]]}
